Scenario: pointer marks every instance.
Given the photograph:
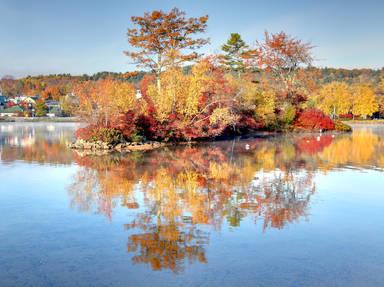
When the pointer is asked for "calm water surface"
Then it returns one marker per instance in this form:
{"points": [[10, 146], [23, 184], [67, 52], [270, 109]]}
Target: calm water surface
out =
{"points": [[297, 210]]}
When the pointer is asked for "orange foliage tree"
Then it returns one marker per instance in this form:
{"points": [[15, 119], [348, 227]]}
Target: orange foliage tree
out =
{"points": [[283, 55], [51, 93], [165, 40], [100, 102]]}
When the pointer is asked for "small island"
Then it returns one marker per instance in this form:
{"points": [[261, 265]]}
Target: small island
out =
{"points": [[183, 96], [178, 95]]}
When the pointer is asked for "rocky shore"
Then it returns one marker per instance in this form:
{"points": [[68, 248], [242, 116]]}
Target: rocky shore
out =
{"points": [[83, 145]]}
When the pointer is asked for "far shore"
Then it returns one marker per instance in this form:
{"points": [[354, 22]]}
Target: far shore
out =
{"points": [[41, 119], [375, 121], [77, 120]]}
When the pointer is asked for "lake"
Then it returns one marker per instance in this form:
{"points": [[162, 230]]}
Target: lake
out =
{"points": [[290, 210]]}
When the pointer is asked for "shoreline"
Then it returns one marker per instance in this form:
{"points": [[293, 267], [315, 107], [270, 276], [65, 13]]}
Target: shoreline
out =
{"points": [[39, 119], [101, 148], [367, 122]]}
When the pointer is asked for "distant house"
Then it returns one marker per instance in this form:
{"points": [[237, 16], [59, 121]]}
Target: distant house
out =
{"points": [[54, 109], [3, 101], [11, 112], [23, 99]]}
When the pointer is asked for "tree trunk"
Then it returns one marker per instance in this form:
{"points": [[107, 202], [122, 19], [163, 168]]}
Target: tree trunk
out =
{"points": [[158, 82], [173, 94], [158, 73]]}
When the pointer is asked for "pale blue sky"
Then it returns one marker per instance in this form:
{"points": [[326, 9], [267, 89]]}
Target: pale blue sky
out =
{"points": [[41, 37]]}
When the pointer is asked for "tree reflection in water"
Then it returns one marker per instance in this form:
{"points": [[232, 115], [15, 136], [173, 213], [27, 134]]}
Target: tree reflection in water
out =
{"points": [[42, 143], [177, 194]]}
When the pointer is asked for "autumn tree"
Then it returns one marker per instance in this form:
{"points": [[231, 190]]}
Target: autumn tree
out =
{"points": [[101, 101], [364, 103], [9, 86], [380, 98], [51, 93], [259, 99], [235, 52], [174, 82], [380, 103], [165, 39], [69, 104], [381, 86], [41, 109], [335, 98], [283, 55]]}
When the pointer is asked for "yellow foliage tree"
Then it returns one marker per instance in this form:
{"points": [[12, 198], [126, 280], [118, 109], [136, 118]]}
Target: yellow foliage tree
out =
{"points": [[174, 85], [223, 116], [266, 104], [364, 103], [180, 92], [335, 98], [100, 101], [262, 100], [198, 82]]}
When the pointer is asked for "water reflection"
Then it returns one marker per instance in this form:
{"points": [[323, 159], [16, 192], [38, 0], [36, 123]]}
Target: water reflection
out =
{"points": [[175, 198], [279, 211], [176, 193], [364, 149], [36, 142]]}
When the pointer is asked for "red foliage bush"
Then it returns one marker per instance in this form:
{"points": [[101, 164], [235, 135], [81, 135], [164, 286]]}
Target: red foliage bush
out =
{"points": [[346, 116], [86, 132], [150, 128], [125, 123], [176, 128], [313, 119], [247, 122]]}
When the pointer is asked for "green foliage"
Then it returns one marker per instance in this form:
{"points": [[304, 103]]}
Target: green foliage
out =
{"points": [[136, 137], [41, 109], [93, 133], [108, 135], [234, 51], [288, 115]]}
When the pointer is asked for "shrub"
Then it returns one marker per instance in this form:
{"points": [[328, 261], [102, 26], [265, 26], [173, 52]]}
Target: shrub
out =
{"points": [[342, 127], [93, 133], [41, 109], [288, 115], [125, 123], [135, 137], [149, 127], [313, 119], [346, 116]]}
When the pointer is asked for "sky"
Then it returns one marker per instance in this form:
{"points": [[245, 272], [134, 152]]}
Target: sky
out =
{"points": [[81, 36]]}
